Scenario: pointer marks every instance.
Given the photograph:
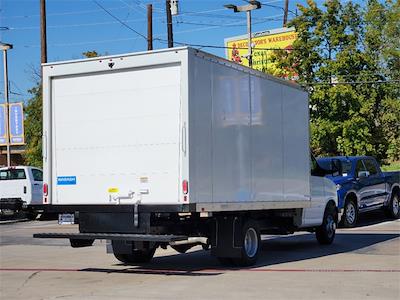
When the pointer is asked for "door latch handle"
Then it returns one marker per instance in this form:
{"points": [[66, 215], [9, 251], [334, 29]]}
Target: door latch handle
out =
{"points": [[128, 197]]}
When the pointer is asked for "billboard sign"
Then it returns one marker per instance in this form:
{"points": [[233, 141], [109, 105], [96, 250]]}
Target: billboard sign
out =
{"points": [[16, 117], [3, 125], [264, 44]]}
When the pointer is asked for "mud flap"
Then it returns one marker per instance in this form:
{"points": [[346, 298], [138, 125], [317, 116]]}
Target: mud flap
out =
{"points": [[226, 241]]}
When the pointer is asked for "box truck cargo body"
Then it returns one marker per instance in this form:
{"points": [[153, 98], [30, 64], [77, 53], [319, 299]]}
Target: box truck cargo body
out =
{"points": [[165, 145]]}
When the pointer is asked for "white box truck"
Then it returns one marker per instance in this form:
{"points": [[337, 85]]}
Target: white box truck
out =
{"points": [[179, 147]]}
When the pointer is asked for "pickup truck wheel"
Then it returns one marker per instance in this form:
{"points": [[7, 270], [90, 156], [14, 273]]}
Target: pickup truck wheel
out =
{"points": [[325, 234], [350, 216], [137, 256], [393, 210], [251, 243]]}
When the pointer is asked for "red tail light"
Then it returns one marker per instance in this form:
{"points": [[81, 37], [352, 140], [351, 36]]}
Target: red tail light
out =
{"points": [[45, 189], [185, 186]]}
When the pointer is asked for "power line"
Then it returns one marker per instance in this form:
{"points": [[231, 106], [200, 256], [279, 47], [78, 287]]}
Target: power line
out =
{"points": [[81, 12], [119, 20], [263, 20]]}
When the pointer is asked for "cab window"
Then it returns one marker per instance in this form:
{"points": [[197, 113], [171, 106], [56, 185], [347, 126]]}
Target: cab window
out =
{"points": [[12, 174], [37, 175], [371, 166], [359, 167], [346, 168]]}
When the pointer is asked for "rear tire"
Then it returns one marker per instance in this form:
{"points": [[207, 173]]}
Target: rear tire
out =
{"points": [[136, 256], [393, 209], [350, 215], [251, 244], [325, 233]]}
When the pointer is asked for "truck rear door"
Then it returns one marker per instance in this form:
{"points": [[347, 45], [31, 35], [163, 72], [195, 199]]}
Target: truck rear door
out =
{"points": [[116, 136]]}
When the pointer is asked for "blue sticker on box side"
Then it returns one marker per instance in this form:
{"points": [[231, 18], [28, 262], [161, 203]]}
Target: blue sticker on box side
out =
{"points": [[66, 180]]}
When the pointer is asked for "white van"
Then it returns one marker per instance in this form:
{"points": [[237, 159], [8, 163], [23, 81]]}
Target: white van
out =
{"points": [[21, 188]]}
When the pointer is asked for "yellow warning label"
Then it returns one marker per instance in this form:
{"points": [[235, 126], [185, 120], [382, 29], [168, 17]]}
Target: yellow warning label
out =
{"points": [[113, 190]]}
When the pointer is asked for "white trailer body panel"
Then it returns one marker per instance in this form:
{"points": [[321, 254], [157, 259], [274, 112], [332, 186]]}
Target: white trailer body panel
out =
{"points": [[238, 136], [248, 138], [115, 133]]}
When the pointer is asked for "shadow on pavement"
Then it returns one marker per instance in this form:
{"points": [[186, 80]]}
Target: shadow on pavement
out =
{"points": [[274, 251], [372, 218]]}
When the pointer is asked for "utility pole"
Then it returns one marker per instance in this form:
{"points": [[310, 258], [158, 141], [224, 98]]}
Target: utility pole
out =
{"points": [[247, 8], [43, 36], [285, 14], [169, 24], [6, 47], [149, 27]]}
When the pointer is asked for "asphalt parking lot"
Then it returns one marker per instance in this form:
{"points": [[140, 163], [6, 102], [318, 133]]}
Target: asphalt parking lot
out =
{"points": [[363, 263]]}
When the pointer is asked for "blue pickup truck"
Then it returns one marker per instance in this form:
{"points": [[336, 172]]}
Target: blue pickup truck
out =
{"points": [[362, 186]]}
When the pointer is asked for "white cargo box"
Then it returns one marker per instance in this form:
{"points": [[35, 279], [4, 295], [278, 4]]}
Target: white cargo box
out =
{"points": [[137, 127]]}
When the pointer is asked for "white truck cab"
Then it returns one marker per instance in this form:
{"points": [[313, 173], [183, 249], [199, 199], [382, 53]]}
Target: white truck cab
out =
{"points": [[21, 189]]}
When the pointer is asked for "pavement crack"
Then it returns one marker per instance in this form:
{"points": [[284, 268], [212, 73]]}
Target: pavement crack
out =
{"points": [[26, 280]]}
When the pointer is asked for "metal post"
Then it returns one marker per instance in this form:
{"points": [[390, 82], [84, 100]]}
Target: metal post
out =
{"points": [[252, 4], [149, 27], [250, 53], [169, 24], [7, 107]]}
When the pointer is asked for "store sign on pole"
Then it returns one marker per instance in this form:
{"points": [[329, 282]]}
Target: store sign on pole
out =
{"points": [[3, 127], [16, 117]]}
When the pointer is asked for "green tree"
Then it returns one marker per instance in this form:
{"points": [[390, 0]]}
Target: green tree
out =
{"points": [[90, 54], [33, 128], [342, 55]]}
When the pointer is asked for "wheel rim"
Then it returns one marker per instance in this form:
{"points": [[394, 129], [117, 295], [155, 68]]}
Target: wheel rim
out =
{"points": [[395, 205], [350, 213], [330, 226], [251, 242]]}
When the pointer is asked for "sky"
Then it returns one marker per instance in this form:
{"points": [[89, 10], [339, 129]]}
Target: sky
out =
{"points": [[77, 26]]}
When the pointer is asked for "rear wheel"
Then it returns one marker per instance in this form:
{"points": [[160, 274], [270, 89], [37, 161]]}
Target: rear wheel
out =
{"points": [[137, 256], [350, 216], [393, 210], [325, 234], [251, 243], [129, 255]]}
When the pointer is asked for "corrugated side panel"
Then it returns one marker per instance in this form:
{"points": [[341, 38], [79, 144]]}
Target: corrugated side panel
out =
{"points": [[117, 137]]}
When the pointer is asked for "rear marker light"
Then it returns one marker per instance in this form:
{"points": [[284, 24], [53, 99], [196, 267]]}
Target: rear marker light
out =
{"points": [[45, 189], [185, 186]]}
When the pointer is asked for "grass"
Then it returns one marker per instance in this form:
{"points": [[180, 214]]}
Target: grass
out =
{"points": [[393, 166]]}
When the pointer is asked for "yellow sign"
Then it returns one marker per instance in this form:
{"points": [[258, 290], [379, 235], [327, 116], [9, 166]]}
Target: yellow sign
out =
{"points": [[113, 190], [264, 45]]}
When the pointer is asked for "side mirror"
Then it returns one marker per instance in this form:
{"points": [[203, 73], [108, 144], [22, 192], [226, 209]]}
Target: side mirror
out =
{"points": [[363, 174]]}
